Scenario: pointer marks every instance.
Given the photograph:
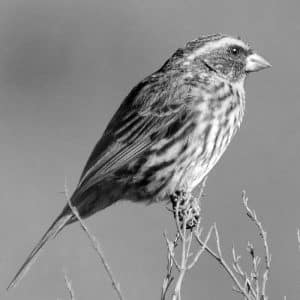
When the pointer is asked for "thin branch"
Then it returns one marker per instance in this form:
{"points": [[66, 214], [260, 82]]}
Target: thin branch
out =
{"points": [[248, 286], [171, 247], [220, 260], [186, 211], [69, 286], [227, 268], [252, 215], [169, 278], [202, 249], [96, 245]]}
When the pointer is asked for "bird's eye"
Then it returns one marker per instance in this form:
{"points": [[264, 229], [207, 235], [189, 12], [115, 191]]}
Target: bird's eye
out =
{"points": [[235, 50]]}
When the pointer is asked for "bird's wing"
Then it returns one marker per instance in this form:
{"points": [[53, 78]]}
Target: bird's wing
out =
{"points": [[153, 109]]}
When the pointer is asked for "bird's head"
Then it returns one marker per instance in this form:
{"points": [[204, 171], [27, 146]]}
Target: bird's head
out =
{"points": [[229, 57]]}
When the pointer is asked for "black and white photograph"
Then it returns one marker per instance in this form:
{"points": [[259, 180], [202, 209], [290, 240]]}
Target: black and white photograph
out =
{"points": [[149, 150]]}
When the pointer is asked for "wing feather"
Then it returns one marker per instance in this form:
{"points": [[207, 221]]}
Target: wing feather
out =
{"points": [[143, 118]]}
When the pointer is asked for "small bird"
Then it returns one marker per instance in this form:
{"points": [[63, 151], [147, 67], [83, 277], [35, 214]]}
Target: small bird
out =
{"points": [[168, 133]]}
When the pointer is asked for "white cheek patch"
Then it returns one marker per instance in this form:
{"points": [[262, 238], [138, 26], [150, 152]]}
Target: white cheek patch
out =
{"points": [[222, 43]]}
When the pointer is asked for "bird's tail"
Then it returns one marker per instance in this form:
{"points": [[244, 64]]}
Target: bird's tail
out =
{"points": [[61, 221]]}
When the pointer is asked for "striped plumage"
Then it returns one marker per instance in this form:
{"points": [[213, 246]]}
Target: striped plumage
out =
{"points": [[169, 131]]}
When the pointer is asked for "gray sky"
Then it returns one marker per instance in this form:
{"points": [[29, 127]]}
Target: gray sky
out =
{"points": [[65, 66]]}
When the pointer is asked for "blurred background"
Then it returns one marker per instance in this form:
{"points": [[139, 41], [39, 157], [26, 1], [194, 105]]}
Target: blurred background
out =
{"points": [[65, 66]]}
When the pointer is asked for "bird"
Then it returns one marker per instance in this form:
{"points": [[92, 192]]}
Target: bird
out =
{"points": [[167, 134]]}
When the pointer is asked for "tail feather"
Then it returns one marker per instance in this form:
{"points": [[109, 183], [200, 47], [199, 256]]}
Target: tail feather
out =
{"points": [[62, 220]]}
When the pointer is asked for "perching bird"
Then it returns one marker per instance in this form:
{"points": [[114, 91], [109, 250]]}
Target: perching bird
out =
{"points": [[168, 133]]}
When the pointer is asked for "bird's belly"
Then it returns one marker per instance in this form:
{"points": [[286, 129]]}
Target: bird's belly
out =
{"points": [[184, 164], [202, 157], [204, 151]]}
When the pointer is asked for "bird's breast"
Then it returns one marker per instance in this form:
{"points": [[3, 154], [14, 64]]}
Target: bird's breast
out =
{"points": [[182, 160], [221, 113]]}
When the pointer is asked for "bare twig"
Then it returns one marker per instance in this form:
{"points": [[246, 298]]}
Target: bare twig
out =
{"points": [[247, 285], [203, 247], [69, 286], [171, 259], [242, 287], [252, 215], [96, 245]]}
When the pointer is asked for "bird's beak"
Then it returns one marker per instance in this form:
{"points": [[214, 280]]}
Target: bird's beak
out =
{"points": [[254, 63]]}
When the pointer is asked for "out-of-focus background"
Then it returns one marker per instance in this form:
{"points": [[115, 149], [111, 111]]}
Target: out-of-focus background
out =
{"points": [[65, 66]]}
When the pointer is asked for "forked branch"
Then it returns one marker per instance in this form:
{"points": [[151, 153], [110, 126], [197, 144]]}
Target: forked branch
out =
{"points": [[186, 209], [252, 286]]}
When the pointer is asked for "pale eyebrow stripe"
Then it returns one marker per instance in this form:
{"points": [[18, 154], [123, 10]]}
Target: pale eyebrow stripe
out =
{"points": [[217, 44]]}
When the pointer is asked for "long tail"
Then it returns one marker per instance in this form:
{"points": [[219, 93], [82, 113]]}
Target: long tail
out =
{"points": [[60, 222]]}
